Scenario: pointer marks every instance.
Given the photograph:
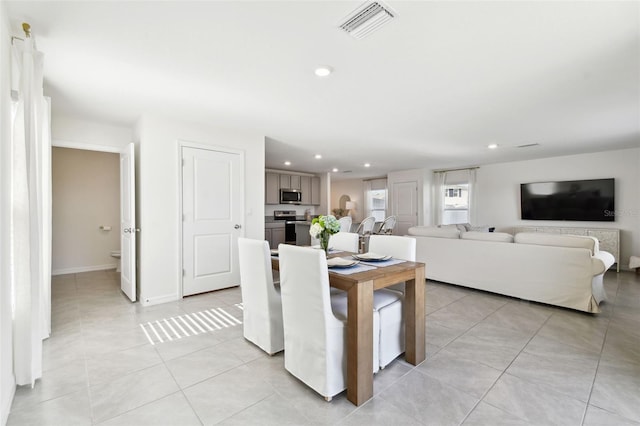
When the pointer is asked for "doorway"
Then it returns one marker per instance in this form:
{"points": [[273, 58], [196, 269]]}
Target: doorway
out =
{"points": [[93, 208], [85, 188]]}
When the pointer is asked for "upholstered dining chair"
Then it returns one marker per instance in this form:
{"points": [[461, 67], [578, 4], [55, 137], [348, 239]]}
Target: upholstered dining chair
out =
{"points": [[344, 241], [364, 230], [261, 303], [392, 342], [345, 223], [315, 329]]}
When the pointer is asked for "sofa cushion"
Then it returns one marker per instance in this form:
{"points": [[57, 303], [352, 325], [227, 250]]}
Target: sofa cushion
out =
{"points": [[432, 231], [501, 237], [542, 239]]}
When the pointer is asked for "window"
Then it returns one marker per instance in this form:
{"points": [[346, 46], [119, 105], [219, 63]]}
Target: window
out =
{"points": [[376, 198], [378, 201], [456, 204], [454, 196]]}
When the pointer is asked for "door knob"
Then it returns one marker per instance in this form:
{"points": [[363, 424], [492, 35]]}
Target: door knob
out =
{"points": [[238, 226]]}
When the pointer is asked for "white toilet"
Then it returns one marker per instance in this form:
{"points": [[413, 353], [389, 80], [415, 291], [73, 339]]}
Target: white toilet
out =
{"points": [[116, 254]]}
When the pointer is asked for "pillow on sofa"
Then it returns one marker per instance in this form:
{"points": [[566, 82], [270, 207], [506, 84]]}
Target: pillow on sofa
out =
{"points": [[432, 231], [481, 228], [462, 227], [542, 239], [501, 237]]}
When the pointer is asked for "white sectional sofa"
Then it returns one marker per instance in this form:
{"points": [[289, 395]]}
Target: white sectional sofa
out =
{"points": [[561, 270]]}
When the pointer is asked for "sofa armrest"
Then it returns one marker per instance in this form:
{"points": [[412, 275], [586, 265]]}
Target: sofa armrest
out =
{"points": [[606, 258]]}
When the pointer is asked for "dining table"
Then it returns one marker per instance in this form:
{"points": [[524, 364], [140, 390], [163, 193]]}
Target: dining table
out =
{"points": [[360, 287]]}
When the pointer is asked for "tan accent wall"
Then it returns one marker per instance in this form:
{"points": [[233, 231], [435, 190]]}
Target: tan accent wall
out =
{"points": [[355, 190], [86, 196]]}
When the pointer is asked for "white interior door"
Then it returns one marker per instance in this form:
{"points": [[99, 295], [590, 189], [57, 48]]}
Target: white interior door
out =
{"points": [[128, 222], [405, 205], [211, 219]]}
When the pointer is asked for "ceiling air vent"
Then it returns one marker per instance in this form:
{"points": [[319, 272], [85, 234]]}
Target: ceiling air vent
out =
{"points": [[366, 19], [528, 145]]}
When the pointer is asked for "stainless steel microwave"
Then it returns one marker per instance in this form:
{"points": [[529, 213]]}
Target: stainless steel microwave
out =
{"points": [[290, 196]]}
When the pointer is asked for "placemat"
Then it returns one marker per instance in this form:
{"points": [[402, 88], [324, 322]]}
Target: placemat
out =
{"points": [[352, 270]]}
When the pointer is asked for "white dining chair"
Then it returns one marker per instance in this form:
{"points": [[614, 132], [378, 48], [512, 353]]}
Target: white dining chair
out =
{"points": [[315, 322], [345, 223], [392, 341], [261, 303], [344, 241]]}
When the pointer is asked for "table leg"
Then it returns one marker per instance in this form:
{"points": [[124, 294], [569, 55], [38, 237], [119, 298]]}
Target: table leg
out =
{"points": [[414, 319], [360, 343]]}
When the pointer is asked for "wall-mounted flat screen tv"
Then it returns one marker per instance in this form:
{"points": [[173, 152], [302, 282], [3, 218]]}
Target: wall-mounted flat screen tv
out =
{"points": [[588, 200]]}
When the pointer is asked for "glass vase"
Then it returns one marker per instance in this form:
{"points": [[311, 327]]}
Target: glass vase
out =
{"points": [[324, 242]]}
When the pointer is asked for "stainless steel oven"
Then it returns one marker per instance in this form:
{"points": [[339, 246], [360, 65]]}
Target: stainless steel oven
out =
{"points": [[289, 218]]}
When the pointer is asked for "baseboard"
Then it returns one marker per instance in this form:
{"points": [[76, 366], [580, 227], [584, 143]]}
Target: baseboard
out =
{"points": [[148, 301], [79, 269], [6, 404]]}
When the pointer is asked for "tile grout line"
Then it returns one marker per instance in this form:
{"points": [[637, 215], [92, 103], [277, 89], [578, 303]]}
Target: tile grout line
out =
{"points": [[595, 374], [502, 374]]}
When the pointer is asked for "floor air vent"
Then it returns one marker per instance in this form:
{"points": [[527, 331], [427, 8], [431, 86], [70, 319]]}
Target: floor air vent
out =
{"points": [[366, 19]]}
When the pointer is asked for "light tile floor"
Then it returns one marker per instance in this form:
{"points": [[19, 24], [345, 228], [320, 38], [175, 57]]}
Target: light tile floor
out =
{"points": [[492, 360]]}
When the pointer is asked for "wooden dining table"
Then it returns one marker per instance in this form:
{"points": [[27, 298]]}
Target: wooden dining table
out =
{"points": [[360, 287]]}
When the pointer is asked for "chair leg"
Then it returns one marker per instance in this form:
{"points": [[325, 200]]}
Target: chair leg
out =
{"points": [[328, 398]]}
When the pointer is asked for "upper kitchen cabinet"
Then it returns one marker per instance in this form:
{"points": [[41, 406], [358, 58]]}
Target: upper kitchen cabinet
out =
{"points": [[285, 181], [309, 186], [305, 189], [272, 188], [315, 191], [290, 181]]}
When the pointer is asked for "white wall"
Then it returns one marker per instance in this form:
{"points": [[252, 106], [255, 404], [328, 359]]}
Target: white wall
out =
{"points": [[86, 195], [498, 196], [76, 133], [7, 379], [355, 190], [158, 203]]}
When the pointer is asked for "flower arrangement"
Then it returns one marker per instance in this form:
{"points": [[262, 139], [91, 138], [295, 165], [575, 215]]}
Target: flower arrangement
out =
{"points": [[323, 227]]}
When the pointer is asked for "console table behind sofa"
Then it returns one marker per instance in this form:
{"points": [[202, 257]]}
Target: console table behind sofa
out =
{"points": [[609, 238]]}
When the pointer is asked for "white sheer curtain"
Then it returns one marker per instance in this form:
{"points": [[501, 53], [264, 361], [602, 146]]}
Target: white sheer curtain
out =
{"points": [[439, 181], [30, 215], [472, 194]]}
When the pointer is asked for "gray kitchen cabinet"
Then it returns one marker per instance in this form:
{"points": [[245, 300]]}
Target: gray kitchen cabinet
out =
{"points": [[285, 181], [295, 182], [315, 191], [290, 181], [277, 237], [272, 188], [305, 189], [267, 236]]}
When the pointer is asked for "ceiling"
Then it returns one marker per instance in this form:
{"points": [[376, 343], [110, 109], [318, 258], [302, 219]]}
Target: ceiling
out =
{"points": [[432, 88]]}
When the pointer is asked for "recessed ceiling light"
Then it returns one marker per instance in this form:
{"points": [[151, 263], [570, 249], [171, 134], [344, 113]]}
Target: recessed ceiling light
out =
{"points": [[334, 170], [323, 71], [318, 156], [492, 146], [367, 165], [287, 163]]}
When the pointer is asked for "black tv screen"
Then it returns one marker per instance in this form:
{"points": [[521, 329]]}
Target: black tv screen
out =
{"points": [[588, 200]]}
